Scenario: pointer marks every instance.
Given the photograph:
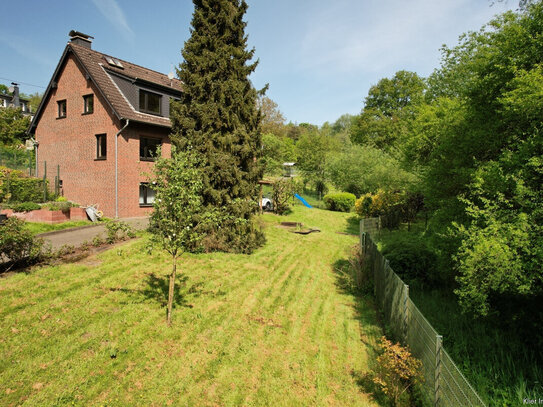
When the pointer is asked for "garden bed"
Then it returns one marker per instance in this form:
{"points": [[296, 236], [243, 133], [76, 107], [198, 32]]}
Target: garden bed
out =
{"points": [[48, 216]]}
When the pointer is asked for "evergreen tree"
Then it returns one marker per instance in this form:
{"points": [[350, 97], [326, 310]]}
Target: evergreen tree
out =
{"points": [[219, 119]]}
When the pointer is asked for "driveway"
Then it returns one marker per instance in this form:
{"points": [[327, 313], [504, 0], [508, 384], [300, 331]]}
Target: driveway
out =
{"points": [[77, 236]]}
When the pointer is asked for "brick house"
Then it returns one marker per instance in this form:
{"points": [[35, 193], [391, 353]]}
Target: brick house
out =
{"points": [[100, 122]]}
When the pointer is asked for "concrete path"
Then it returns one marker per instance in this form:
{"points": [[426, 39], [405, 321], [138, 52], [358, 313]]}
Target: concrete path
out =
{"points": [[77, 236]]}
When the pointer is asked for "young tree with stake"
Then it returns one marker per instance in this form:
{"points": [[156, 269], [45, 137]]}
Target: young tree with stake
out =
{"points": [[178, 209]]}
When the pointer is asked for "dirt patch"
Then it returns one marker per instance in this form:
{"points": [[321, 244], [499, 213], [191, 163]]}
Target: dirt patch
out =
{"points": [[264, 321]]}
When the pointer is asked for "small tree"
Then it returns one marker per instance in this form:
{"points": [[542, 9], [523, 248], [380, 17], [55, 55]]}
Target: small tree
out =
{"points": [[178, 209], [283, 194]]}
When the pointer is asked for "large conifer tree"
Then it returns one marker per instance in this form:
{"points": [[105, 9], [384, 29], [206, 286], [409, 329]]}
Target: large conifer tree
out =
{"points": [[218, 117]]}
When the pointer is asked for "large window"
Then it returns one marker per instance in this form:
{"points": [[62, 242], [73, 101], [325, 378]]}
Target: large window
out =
{"points": [[88, 104], [150, 102], [101, 147], [147, 194], [61, 108], [148, 148]]}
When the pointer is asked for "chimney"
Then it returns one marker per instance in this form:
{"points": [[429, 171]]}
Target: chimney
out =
{"points": [[79, 38], [15, 98]]}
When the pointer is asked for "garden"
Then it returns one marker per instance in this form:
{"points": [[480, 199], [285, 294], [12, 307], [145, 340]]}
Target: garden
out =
{"points": [[280, 324]]}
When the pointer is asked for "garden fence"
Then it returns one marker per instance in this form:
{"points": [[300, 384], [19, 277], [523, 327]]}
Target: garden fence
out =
{"points": [[16, 159], [444, 384]]}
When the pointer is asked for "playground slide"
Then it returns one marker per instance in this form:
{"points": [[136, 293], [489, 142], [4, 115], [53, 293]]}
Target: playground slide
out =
{"points": [[302, 200]]}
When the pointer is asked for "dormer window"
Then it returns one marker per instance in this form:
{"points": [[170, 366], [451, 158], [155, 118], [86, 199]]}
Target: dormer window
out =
{"points": [[61, 109], [88, 104], [150, 102]]}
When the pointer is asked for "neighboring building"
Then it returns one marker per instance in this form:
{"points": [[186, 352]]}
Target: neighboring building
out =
{"points": [[13, 100], [101, 120]]}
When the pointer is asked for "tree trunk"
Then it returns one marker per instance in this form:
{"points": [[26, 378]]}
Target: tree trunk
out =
{"points": [[171, 290]]}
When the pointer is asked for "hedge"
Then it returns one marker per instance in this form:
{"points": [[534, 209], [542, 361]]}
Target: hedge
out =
{"points": [[339, 201], [15, 187]]}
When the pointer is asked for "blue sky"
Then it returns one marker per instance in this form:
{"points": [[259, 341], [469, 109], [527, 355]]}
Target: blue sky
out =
{"points": [[319, 56]]}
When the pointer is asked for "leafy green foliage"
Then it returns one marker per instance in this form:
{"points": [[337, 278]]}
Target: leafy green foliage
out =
{"points": [[362, 169], [273, 121], [313, 149], [178, 206], [388, 108], [412, 259], [16, 187], [275, 152], [24, 206], [18, 244], [63, 206], [339, 201], [179, 213], [392, 206], [218, 118], [283, 194], [118, 230], [13, 125], [397, 371]]}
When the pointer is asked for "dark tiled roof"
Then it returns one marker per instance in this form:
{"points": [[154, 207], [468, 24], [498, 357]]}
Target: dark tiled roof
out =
{"points": [[97, 67]]}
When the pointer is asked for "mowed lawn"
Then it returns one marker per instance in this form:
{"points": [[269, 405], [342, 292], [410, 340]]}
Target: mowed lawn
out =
{"points": [[278, 327]]}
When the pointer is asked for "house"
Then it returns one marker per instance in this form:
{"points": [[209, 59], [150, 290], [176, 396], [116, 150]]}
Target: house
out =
{"points": [[98, 127], [13, 100]]}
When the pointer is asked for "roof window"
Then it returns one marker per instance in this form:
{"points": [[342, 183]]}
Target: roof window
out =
{"points": [[114, 62]]}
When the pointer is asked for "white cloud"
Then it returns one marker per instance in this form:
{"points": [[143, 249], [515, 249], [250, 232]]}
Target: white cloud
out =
{"points": [[373, 36], [111, 10]]}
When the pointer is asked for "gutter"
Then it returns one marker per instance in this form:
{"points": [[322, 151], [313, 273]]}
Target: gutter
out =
{"points": [[117, 169]]}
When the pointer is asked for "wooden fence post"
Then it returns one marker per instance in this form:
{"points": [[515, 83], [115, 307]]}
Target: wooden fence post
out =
{"points": [[437, 374]]}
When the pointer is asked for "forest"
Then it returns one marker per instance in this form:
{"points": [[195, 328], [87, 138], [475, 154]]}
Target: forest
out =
{"points": [[460, 153]]}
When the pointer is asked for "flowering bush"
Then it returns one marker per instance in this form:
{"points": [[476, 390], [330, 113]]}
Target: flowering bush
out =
{"points": [[397, 371]]}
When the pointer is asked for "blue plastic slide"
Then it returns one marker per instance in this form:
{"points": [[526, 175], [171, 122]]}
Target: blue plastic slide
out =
{"points": [[302, 200]]}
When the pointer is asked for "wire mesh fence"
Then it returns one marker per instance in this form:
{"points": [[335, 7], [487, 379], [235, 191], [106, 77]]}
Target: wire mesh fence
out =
{"points": [[17, 159], [444, 383]]}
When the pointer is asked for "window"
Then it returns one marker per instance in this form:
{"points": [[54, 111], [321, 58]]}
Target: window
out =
{"points": [[88, 104], [150, 102], [61, 108], [148, 148], [147, 194], [101, 147]]}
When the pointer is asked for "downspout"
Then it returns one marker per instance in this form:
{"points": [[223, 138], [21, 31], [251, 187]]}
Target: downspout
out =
{"points": [[117, 169]]}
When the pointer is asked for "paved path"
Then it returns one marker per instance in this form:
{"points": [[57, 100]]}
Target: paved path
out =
{"points": [[77, 236]]}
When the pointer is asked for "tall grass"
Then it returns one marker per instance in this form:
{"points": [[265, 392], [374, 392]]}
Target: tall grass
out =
{"points": [[498, 361]]}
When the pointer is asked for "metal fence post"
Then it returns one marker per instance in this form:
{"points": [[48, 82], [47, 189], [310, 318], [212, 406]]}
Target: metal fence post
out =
{"points": [[44, 181], [405, 311], [57, 185], [437, 374]]}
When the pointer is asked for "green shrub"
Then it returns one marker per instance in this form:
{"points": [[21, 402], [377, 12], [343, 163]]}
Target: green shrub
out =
{"points": [[118, 230], [18, 244], [24, 206], [15, 186], [339, 201], [412, 259], [393, 207], [61, 199], [63, 206], [397, 371]]}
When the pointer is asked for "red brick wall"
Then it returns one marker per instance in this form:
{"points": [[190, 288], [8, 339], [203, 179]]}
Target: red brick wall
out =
{"points": [[132, 171], [71, 143]]}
